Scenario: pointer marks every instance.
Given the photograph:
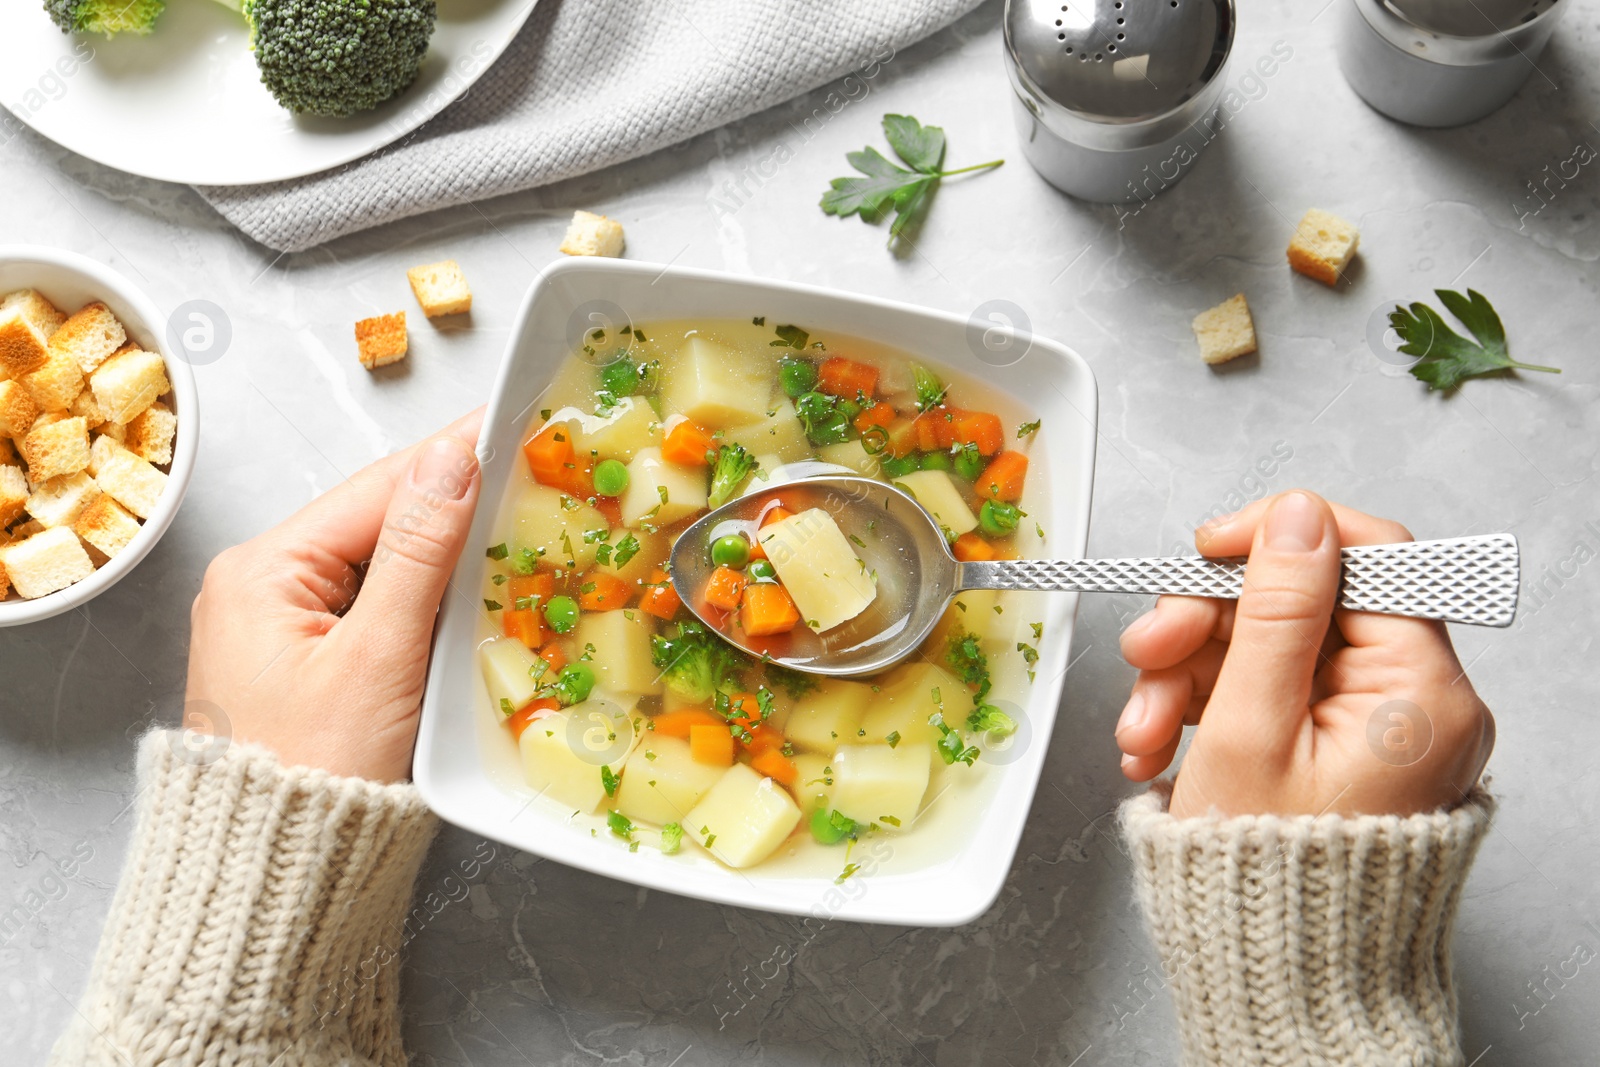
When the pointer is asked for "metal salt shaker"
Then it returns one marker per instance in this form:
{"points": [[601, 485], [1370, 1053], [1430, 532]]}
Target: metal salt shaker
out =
{"points": [[1116, 98], [1442, 62]]}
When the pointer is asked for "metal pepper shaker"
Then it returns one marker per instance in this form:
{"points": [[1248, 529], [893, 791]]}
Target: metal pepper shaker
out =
{"points": [[1442, 62], [1114, 99]]}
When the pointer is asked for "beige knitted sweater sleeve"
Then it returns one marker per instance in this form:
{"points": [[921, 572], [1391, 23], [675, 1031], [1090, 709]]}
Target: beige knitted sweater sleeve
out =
{"points": [[257, 921], [1307, 942]]}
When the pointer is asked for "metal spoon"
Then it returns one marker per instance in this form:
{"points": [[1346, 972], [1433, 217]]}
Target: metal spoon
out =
{"points": [[1463, 579]]}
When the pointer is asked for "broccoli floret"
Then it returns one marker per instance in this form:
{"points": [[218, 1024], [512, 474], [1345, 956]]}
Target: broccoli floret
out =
{"points": [[734, 464], [337, 57], [105, 16], [696, 663]]}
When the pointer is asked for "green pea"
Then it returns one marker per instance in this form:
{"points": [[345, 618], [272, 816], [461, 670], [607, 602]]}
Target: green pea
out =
{"points": [[561, 613], [762, 571], [823, 829], [935, 461], [730, 551], [898, 466], [797, 376], [610, 477], [969, 463], [620, 378], [576, 681], [997, 519]]}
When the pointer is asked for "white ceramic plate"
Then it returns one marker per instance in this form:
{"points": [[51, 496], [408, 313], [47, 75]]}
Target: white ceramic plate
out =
{"points": [[465, 760], [70, 281], [186, 104]]}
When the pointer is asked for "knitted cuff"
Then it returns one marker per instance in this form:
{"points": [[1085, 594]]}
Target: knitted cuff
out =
{"points": [[1301, 941], [257, 919]]}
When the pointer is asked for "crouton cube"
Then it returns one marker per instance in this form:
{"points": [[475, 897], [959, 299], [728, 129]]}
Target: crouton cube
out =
{"points": [[441, 289], [60, 501], [132, 482], [102, 448], [382, 340], [87, 406], [89, 337], [8, 454], [47, 561], [57, 449], [57, 383], [129, 382], [149, 435], [13, 494], [105, 525], [592, 235], [23, 345], [35, 308], [1225, 332], [18, 409], [1322, 247]]}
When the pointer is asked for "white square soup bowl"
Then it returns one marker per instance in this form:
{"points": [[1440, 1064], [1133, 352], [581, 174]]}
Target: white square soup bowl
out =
{"points": [[466, 761]]}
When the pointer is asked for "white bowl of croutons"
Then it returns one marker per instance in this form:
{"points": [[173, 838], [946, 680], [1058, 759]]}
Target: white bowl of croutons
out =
{"points": [[98, 430]]}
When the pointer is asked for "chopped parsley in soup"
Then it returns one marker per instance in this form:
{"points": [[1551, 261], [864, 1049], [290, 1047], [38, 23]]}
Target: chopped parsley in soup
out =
{"points": [[627, 709]]}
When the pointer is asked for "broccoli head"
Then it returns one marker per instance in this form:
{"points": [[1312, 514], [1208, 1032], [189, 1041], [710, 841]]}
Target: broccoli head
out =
{"points": [[733, 465], [695, 663], [105, 16], [337, 57]]}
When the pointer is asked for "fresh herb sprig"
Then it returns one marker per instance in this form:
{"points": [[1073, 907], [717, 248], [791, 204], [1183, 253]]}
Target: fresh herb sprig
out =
{"points": [[1445, 358], [885, 185]]}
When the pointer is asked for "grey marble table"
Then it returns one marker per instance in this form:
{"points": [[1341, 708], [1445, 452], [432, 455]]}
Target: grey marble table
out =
{"points": [[536, 963]]}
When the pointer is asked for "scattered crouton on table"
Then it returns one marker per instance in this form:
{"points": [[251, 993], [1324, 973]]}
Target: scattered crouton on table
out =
{"points": [[441, 289], [382, 340], [593, 235], [1323, 246], [1226, 331]]}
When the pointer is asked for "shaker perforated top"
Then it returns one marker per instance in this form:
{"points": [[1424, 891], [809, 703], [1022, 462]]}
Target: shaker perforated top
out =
{"points": [[1119, 61]]}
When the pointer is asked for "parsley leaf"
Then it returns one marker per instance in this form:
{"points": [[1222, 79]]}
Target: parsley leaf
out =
{"points": [[620, 825], [671, 838], [884, 185], [1028, 427], [920, 147], [609, 779], [1446, 359]]}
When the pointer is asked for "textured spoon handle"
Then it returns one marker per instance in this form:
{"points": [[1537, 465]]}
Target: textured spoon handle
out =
{"points": [[1461, 579]]}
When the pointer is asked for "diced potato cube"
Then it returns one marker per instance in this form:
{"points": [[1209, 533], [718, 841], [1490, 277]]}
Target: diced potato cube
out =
{"points": [[823, 574], [508, 673], [652, 551], [876, 783], [644, 501], [662, 781], [778, 433], [539, 521], [813, 783], [716, 386], [619, 434], [939, 497], [829, 715], [906, 703], [743, 818], [621, 641], [552, 765], [852, 454]]}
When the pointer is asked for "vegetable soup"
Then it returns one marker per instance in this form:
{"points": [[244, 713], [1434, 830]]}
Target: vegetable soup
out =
{"points": [[654, 731]]}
